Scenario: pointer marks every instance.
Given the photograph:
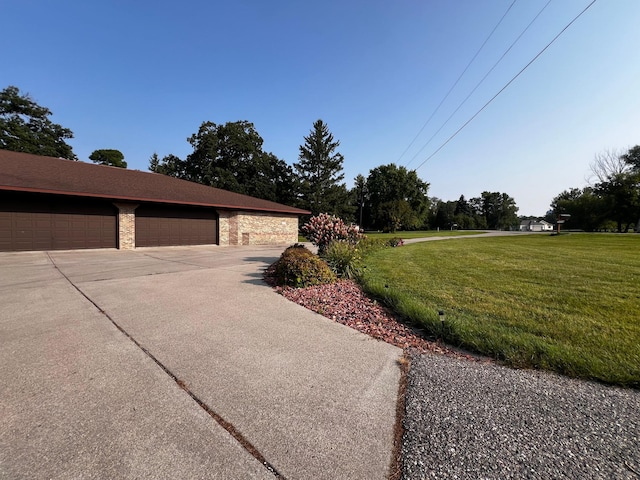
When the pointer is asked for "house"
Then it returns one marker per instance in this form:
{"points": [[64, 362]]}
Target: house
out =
{"points": [[535, 226], [53, 204]]}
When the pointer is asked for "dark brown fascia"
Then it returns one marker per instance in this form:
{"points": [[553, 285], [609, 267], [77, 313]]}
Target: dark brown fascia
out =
{"points": [[293, 211]]}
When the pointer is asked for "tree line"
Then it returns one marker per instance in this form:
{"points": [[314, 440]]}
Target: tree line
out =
{"points": [[231, 156], [611, 201], [491, 210], [390, 198]]}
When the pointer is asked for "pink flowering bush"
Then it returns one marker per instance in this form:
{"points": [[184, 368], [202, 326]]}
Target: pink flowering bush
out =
{"points": [[323, 229]]}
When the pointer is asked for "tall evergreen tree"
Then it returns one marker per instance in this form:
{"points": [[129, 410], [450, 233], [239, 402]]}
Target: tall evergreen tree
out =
{"points": [[320, 174], [360, 193]]}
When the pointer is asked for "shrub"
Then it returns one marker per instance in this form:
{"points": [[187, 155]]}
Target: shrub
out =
{"points": [[323, 229], [343, 258], [298, 267], [395, 242], [371, 244]]}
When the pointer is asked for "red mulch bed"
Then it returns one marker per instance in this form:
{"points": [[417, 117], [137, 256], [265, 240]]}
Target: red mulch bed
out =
{"points": [[345, 302]]}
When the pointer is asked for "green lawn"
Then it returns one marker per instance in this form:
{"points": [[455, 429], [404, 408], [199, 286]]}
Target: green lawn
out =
{"points": [[414, 234], [568, 303], [422, 234]]}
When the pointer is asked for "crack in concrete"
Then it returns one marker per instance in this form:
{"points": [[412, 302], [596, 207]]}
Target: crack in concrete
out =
{"points": [[229, 427], [201, 267], [180, 262]]}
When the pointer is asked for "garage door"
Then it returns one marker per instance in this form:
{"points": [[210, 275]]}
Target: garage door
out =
{"points": [[163, 226], [41, 222]]}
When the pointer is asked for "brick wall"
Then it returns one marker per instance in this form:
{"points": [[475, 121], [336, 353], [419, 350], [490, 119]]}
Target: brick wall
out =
{"points": [[223, 227], [234, 228], [126, 226], [253, 228]]}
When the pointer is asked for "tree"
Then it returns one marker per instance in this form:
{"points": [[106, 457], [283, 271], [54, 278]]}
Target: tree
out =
{"points": [[230, 157], [396, 198], [618, 183], [319, 170], [25, 127], [463, 207], [632, 158], [442, 214], [360, 191], [170, 165], [465, 216], [113, 158], [499, 210], [587, 209], [154, 163], [607, 164], [622, 194]]}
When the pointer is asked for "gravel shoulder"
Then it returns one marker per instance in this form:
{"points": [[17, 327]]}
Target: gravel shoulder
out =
{"points": [[478, 420]]}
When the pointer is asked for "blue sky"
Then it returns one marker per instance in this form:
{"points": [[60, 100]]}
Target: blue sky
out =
{"points": [[141, 76]]}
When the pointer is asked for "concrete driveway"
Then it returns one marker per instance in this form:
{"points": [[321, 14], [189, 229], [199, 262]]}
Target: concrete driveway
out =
{"points": [[180, 363]]}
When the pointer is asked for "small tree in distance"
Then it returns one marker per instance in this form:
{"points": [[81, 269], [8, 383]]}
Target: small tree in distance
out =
{"points": [[113, 158]]}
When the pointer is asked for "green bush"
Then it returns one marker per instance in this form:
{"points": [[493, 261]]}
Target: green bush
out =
{"points": [[343, 258], [371, 244], [298, 267], [395, 242]]}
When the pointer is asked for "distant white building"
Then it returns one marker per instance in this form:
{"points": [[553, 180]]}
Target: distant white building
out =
{"points": [[535, 226]]}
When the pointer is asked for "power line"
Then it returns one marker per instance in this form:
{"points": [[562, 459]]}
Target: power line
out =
{"points": [[480, 82], [507, 85], [456, 82]]}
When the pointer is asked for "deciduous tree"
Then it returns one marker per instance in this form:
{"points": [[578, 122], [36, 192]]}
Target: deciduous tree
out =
{"points": [[25, 127], [230, 157], [396, 198], [587, 209], [632, 158], [113, 158], [607, 164], [618, 183], [499, 210], [442, 214]]}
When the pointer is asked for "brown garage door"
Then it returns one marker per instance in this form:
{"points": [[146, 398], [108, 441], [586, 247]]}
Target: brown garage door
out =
{"points": [[167, 225], [43, 222]]}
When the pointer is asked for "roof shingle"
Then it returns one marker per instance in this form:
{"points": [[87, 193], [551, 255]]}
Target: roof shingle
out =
{"points": [[35, 173]]}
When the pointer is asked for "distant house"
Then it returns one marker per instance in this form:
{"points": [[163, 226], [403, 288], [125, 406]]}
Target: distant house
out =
{"points": [[535, 226], [54, 204]]}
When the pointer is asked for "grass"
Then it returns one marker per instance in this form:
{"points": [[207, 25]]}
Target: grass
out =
{"points": [[422, 234], [413, 234], [567, 303]]}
